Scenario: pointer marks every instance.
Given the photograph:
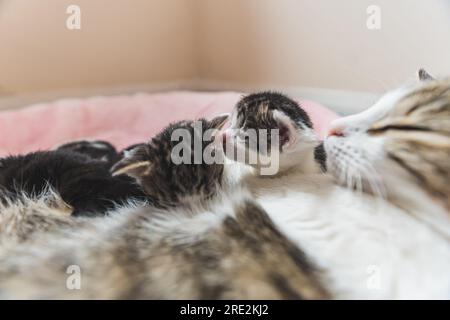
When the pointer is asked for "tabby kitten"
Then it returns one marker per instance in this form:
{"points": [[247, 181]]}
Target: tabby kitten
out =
{"points": [[400, 148], [169, 184], [202, 242]]}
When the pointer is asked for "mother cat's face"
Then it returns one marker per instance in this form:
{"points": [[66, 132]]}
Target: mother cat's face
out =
{"points": [[400, 147]]}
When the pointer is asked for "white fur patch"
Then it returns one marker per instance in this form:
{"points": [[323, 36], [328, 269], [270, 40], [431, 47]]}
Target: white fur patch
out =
{"points": [[366, 247]]}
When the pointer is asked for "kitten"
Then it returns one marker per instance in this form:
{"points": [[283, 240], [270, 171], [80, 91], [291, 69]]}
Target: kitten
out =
{"points": [[202, 242], [170, 181], [80, 177], [400, 149], [296, 144]]}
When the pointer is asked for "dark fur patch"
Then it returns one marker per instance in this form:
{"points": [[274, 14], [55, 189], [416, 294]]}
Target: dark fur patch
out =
{"points": [[96, 150], [286, 267], [254, 112], [321, 156], [251, 109], [82, 182]]}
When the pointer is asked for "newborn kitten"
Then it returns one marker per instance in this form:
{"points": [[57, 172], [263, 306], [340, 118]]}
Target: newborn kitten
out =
{"points": [[172, 184], [202, 243], [400, 149], [296, 144], [83, 182]]}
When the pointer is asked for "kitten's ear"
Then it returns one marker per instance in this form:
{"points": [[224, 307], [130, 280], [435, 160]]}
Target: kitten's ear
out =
{"points": [[424, 75], [134, 163], [219, 121], [287, 130]]}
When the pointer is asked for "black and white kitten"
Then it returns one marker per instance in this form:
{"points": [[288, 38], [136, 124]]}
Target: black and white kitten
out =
{"points": [[295, 145]]}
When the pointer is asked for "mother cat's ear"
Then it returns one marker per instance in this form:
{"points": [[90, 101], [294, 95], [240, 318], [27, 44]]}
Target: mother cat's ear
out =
{"points": [[135, 163], [287, 130], [424, 75]]}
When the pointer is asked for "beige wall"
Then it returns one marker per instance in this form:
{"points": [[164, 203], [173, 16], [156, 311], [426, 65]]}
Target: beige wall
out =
{"points": [[120, 41], [306, 43], [323, 43]]}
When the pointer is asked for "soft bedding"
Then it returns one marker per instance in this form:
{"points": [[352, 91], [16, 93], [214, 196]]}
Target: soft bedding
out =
{"points": [[122, 120]]}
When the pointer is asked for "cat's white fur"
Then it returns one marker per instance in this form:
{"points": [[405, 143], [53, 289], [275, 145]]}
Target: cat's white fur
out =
{"points": [[367, 247]]}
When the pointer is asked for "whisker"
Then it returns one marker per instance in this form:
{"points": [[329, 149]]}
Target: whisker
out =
{"points": [[353, 169], [375, 181]]}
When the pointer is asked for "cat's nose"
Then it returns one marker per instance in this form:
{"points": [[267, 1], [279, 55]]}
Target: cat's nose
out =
{"points": [[335, 132], [336, 129]]}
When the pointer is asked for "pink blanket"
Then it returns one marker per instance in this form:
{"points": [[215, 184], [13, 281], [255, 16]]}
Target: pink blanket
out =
{"points": [[122, 120]]}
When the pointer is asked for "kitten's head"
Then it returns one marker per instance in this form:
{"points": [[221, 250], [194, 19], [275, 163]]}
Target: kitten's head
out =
{"points": [[181, 162], [267, 124], [400, 144]]}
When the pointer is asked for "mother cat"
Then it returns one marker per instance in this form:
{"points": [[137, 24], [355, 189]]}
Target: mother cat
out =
{"points": [[399, 149]]}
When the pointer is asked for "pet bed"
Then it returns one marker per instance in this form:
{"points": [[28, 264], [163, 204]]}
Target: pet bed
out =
{"points": [[122, 120]]}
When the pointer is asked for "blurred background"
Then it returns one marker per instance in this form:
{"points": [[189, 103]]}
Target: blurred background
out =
{"points": [[318, 49]]}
